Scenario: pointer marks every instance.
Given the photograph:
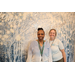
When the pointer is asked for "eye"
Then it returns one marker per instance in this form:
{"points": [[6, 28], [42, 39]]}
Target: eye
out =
{"points": [[38, 34], [53, 33], [42, 34]]}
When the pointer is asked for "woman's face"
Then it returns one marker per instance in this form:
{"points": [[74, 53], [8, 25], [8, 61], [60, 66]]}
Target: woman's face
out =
{"points": [[52, 34], [40, 34]]}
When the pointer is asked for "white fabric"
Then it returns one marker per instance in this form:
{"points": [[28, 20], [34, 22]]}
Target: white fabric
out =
{"points": [[34, 52], [56, 47]]}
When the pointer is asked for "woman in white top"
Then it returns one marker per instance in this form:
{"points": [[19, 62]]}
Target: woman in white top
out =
{"points": [[39, 50], [58, 53]]}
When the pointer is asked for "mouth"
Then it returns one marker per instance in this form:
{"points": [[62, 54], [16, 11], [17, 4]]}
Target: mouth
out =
{"points": [[41, 37], [51, 35]]}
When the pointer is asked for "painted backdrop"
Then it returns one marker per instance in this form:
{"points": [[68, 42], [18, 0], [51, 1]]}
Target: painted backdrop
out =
{"points": [[18, 29]]}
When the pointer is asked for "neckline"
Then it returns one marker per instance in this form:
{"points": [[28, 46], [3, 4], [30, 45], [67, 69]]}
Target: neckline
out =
{"points": [[44, 42], [52, 40]]}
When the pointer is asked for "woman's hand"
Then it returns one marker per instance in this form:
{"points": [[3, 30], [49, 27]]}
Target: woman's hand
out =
{"points": [[64, 55]]}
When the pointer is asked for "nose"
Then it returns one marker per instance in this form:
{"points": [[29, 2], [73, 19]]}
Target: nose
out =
{"points": [[40, 35]]}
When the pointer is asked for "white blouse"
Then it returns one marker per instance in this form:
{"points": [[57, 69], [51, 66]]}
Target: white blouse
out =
{"points": [[34, 53]]}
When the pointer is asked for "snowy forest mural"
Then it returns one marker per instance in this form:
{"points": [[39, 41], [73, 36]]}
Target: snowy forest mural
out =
{"points": [[18, 29]]}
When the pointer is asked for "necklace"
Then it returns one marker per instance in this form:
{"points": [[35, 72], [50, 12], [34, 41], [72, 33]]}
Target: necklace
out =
{"points": [[51, 43], [41, 50]]}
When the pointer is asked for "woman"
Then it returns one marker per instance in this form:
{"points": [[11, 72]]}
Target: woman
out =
{"points": [[58, 53], [39, 50]]}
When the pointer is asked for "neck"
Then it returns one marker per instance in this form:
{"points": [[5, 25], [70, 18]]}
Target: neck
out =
{"points": [[40, 41], [51, 39]]}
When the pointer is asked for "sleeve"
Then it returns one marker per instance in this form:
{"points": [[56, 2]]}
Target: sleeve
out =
{"points": [[50, 55], [60, 45], [29, 58]]}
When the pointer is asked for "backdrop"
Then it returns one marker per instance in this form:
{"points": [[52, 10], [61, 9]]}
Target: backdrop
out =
{"points": [[18, 29]]}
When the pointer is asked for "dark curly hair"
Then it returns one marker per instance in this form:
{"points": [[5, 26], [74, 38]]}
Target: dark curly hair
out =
{"points": [[40, 29]]}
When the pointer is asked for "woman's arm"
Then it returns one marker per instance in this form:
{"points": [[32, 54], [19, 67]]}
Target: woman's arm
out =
{"points": [[64, 55], [61, 47], [29, 58]]}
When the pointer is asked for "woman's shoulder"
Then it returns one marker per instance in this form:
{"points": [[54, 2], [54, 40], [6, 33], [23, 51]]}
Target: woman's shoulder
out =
{"points": [[57, 39], [33, 42]]}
